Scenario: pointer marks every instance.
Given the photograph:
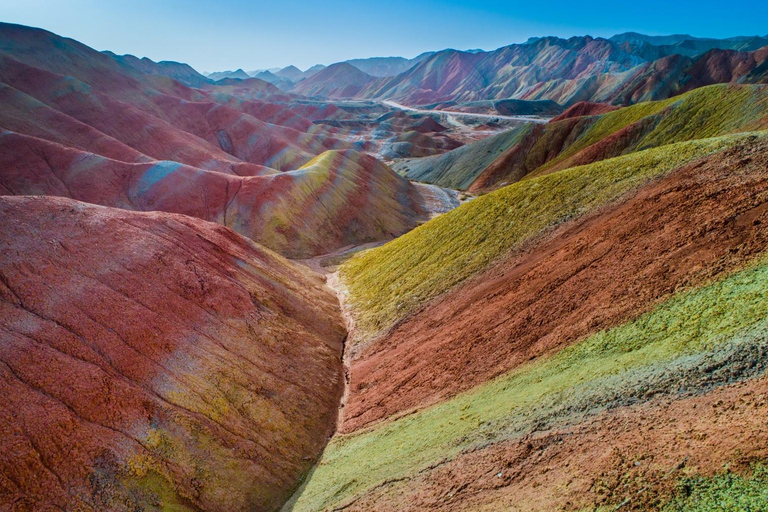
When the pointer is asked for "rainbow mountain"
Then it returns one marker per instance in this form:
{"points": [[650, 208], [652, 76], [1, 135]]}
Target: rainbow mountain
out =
{"points": [[532, 279]]}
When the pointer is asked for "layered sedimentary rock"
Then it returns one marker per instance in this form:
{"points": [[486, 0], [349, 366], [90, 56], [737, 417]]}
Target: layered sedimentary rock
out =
{"points": [[152, 361]]}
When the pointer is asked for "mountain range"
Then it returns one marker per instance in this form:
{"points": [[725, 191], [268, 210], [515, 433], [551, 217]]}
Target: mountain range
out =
{"points": [[566, 71], [71, 114], [528, 279], [623, 69]]}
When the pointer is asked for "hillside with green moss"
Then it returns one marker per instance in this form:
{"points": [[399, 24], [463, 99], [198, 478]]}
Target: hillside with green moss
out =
{"points": [[608, 369], [386, 290], [702, 113], [390, 282], [554, 324]]}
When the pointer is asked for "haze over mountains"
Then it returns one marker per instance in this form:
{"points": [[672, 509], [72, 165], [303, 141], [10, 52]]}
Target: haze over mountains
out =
{"points": [[533, 279], [623, 69]]}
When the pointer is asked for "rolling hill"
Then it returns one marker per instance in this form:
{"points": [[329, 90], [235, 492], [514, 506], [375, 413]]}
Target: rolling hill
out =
{"points": [[340, 198], [124, 133], [564, 314], [556, 324]]}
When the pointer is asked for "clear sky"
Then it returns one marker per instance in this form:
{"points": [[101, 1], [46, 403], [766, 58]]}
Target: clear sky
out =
{"points": [[214, 35]]}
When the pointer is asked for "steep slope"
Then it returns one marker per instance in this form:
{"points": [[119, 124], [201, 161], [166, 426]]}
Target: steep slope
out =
{"points": [[25, 114], [564, 70], [584, 108], [119, 132], [568, 71], [387, 66], [201, 133], [599, 281], [569, 349], [670, 76], [433, 80], [213, 389], [291, 73], [495, 224], [339, 199], [459, 168], [578, 139], [153, 113]]}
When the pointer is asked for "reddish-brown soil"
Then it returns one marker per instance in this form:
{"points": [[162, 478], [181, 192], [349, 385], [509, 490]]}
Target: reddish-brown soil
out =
{"points": [[542, 144], [609, 147], [632, 456], [701, 220], [297, 214], [78, 123], [150, 358], [585, 108], [723, 67], [429, 125]]}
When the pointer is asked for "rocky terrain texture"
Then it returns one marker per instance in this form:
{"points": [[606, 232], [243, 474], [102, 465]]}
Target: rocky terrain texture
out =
{"points": [[213, 388], [530, 314], [588, 133]]}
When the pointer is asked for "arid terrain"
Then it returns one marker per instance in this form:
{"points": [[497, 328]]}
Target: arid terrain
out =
{"points": [[527, 279]]}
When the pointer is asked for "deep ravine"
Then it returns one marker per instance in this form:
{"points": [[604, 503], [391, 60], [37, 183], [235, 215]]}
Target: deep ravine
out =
{"points": [[333, 282]]}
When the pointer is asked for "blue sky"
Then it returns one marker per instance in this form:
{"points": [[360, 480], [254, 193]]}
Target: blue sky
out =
{"points": [[227, 34]]}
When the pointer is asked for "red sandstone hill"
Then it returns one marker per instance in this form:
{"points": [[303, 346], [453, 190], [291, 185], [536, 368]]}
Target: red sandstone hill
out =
{"points": [[584, 108], [124, 133], [597, 273], [213, 389], [340, 198], [133, 102]]}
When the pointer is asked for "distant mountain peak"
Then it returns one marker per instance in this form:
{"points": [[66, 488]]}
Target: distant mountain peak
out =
{"points": [[220, 75], [291, 73]]}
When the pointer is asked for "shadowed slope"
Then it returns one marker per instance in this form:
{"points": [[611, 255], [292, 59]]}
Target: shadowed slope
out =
{"points": [[212, 389], [459, 168], [567, 71], [584, 108]]}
